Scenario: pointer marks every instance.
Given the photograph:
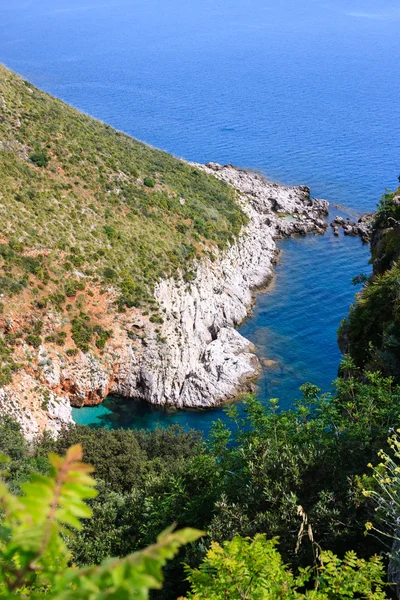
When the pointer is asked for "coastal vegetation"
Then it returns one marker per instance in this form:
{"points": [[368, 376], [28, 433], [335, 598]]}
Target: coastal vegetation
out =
{"points": [[35, 561], [246, 482], [371, 333]]}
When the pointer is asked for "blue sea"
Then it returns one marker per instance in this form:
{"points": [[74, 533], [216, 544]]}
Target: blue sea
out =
{"points": [[306, 91]]}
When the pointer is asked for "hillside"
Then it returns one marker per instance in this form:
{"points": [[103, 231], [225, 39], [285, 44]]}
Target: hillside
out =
{"points": [[91, 219], [105, 203]]}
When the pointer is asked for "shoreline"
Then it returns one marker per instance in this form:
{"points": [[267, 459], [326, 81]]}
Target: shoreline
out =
{"points": [[220, 363]]}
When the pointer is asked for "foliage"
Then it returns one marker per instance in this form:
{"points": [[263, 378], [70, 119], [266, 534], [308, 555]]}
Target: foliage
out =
{"points": [[245, 569], [39, 158], [33, 554], [370, 334], [149, 182], [90, 206], [247, 479], [372, 329], [383, 490], [81, 332]]}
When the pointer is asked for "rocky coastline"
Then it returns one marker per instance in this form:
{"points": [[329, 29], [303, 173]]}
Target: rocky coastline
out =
{"points": [[195, 357]]}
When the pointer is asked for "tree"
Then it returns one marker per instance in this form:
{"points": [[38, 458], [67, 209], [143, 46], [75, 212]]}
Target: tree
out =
{"points": [[34, 559]]}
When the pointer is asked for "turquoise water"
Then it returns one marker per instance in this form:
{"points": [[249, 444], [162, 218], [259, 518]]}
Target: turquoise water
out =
{"points": [[305, 91]]}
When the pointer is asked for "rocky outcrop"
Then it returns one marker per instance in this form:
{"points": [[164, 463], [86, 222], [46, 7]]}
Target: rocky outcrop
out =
{"points": [[34, 406], [204, 361], [195, 357], [362, 228]]}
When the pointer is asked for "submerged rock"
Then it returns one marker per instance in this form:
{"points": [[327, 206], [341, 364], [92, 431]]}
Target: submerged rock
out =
{"points": [[269, 363]]}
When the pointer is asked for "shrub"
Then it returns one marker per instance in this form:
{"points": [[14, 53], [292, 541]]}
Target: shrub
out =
{"points": [[34, 559], [72, 351], [5, 376], [57, 299], [81, 333], [110, 274], [149, 182], [33, 340], [39, 158], [72, 286], [60, 338], [245, 569], [102, 336]]}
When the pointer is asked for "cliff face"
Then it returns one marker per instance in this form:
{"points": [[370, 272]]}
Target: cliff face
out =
{"points": [[192, 357], [205, 360]]}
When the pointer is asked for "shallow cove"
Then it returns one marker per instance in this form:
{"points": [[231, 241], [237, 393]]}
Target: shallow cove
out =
{"points": [[293, 324]]}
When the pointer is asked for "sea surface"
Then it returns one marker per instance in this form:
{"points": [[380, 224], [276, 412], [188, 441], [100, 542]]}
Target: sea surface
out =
{"points": [[306, 91]]}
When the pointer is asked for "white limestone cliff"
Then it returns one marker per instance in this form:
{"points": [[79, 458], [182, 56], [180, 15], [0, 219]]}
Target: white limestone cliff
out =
{"points": [[205, 361]]}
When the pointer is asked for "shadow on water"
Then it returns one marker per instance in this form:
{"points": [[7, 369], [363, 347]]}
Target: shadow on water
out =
{"points": [[132, 413]]}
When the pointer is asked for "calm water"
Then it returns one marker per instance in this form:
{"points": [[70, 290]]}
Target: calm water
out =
{"points": [[306, 91]]}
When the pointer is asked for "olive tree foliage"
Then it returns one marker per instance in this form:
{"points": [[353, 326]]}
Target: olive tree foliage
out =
{"points": [[34, 558]]}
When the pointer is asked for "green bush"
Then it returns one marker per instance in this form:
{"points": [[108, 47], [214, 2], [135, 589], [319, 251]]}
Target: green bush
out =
{"points": [[34, 559], [149, 182], [245, 569], [72, 286], [5, 376], [39, 158], [72, 351], [82, 332], [33, 340]]}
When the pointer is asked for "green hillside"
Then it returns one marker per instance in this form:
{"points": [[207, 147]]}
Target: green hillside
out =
{"points": [[93, 199]]}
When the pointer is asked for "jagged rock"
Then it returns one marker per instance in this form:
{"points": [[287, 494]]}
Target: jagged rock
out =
{"points": [[34, 406], [362, 228], [339, 220], [349, 229]]}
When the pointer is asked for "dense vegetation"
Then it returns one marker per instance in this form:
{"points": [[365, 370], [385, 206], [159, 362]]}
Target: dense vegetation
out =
{"points": [[35, 561], [246, 479], [371, 333]]}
